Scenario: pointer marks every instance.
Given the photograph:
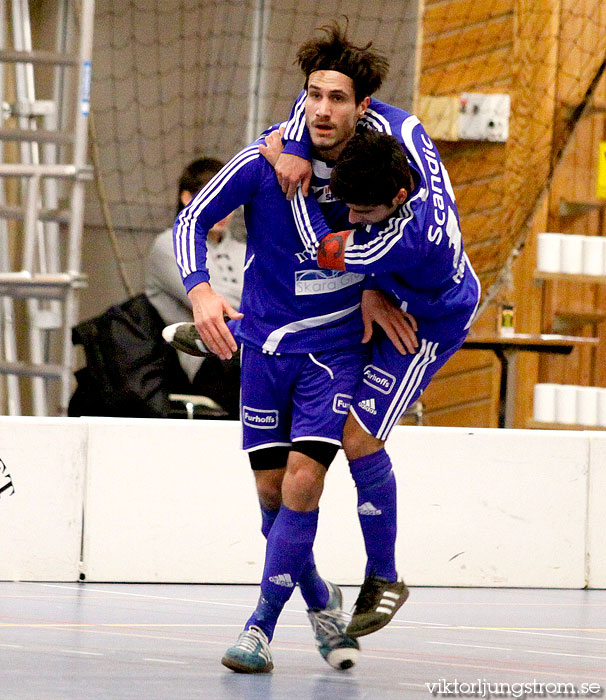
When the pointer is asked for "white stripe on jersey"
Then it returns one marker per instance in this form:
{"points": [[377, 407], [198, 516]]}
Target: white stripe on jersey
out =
{"points": [[407, 126], [382, 243], [408, 386], [274, 338], [376, 121], [296, 124], [385, 239], [186, 227], [306, 231], [248, 262]]}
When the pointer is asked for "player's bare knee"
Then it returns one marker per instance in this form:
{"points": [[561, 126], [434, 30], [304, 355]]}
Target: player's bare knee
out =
{"points": [[269, 488], [269, 499], [303, 483], [357, 442]]}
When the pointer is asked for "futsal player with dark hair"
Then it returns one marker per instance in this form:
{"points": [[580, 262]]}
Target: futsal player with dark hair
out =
{"points": [[406, 237], [302, 356], [408, 241]]}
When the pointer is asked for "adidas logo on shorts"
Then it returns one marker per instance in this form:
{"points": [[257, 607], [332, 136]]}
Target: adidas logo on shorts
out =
{"points": [[368, 509], [368, 405], [282, 580]]}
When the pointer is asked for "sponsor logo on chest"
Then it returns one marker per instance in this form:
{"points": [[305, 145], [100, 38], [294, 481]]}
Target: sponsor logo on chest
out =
{"points": [[323, 194], [324, 281]]}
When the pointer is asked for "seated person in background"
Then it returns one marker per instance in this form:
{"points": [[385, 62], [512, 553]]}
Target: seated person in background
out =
{"points": [[219, 380]]}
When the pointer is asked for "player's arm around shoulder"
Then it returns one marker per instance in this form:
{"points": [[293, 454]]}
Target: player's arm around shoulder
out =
{"points": [[291, 169]]}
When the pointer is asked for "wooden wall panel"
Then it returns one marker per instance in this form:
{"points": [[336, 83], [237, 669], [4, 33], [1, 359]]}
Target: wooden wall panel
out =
{"points": [[468, 162], [480, 225], [489, 72], [545, 55], [474, 415], [447, 16], [467, 42], [479, 195], [468, 386]]}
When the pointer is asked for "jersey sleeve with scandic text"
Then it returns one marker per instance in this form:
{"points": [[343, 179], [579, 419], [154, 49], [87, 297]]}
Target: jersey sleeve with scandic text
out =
{"points": [[416, 255]]}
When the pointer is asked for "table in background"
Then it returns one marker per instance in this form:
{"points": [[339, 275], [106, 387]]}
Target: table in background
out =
{"points": [[506, 348]]}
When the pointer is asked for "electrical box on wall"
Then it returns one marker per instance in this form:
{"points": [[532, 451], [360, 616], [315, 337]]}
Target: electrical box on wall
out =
{"points": [[470, 116], [484, 117]]}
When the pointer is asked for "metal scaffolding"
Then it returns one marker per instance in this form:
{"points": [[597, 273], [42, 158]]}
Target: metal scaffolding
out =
{"points": [[41, 224]]}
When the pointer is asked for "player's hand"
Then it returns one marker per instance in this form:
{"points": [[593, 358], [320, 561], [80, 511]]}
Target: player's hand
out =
{"points": [[292, 170], [399, 326], [273, 146], [209, 310]]}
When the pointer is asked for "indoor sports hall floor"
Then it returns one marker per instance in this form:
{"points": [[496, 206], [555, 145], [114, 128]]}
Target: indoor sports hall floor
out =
{"points": [[67, 641]]}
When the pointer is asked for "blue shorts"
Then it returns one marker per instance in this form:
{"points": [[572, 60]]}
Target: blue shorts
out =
{"points": [[392, 382], [293, 397]]}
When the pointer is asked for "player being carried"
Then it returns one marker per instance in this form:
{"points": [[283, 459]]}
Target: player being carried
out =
{"points": [[407, 240]]}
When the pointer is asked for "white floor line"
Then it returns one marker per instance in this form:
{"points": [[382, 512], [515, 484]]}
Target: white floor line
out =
{"points": [[561, 653], [472, 646], [148, 596]]}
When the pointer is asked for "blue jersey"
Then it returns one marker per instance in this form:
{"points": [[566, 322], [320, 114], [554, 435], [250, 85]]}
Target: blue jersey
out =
{"points": [[416, 255], [290, 305]]}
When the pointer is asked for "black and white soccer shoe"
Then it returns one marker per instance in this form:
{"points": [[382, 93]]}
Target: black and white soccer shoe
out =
{"points": [[378, 601], [185, 337]]}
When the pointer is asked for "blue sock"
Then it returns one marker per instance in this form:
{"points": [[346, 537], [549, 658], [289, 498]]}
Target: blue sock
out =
{"points": [[289, 546], [312, 585], [377, 511]]}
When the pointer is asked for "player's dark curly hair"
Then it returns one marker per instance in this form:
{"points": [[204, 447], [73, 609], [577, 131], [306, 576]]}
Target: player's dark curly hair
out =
{"points": [[367, 68], [371, 170], [195, 175]]}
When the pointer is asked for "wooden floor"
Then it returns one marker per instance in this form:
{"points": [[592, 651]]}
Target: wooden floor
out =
{"points": [[67, 641]]}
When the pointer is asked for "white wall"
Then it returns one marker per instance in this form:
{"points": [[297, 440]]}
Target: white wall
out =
{"points": [[170, 500], [41, 522], [596, 523]]}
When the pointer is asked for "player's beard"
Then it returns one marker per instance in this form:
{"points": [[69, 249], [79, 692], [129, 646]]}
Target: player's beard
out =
{"points": [[330, 148]]}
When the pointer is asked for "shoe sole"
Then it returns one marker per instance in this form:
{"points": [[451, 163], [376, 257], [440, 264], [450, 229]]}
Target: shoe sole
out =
{"points": [[233, 665], [343, 658], [379, 624]]}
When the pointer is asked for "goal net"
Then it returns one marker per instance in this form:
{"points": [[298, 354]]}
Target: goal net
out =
{"points": [[178, 79]]}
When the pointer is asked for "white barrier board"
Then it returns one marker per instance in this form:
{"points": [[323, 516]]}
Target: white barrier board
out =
{"points": [[475, 508], [596, 524], [41, 511], [170, 500], [175, 501]]}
